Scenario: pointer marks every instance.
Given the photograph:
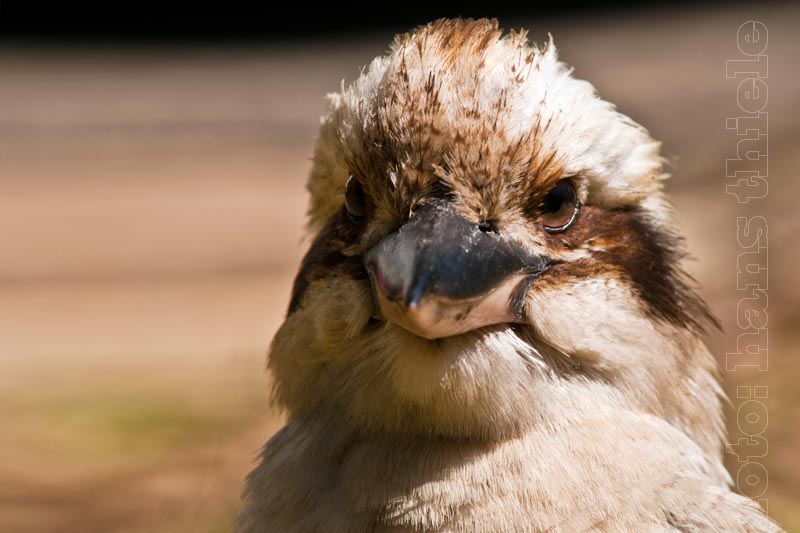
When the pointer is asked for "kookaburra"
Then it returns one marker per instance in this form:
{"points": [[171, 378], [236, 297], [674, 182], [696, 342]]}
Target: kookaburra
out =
{"points": [[491, 330]]}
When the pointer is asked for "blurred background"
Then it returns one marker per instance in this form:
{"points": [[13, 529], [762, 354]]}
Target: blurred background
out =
{"points": [[152, 171]]}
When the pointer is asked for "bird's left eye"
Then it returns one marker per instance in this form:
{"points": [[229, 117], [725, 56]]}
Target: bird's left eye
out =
{"points": [[354, 198], [560, 207]]}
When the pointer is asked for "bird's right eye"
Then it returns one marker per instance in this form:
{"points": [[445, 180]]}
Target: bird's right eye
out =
{"points": [[560, 207], [354, 198]]}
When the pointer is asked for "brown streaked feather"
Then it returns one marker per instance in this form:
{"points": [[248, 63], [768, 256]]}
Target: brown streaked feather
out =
{"points": [[326, 257], [626, 242]]}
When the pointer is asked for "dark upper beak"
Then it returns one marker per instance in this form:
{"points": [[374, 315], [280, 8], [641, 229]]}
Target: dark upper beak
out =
{"points": [[440, 274]]}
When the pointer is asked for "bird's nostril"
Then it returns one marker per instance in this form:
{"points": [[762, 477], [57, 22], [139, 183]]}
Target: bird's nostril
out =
{"points": [[485, 225]]}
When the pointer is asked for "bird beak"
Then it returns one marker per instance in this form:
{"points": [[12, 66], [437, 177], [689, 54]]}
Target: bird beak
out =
{"points": [[440, 275]]}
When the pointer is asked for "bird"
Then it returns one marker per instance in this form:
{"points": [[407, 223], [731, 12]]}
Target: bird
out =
{"points": [[492, 329]]}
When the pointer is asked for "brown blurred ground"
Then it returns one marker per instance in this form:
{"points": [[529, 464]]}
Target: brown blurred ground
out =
{"points": [[151, 212]]}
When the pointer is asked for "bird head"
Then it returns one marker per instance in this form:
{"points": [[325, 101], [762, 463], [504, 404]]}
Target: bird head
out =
{"points": [[492, 248]]}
